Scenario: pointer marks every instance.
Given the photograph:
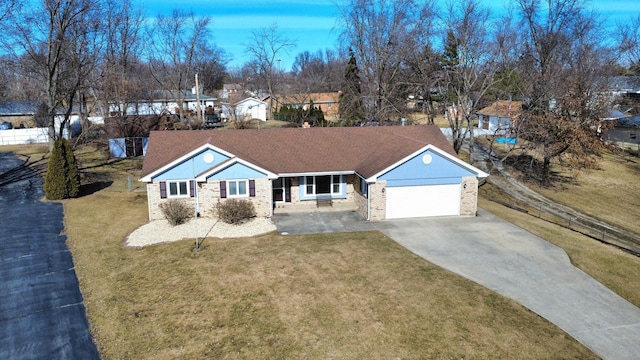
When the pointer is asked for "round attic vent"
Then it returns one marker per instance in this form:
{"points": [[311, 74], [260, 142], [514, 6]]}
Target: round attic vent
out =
{"points": [[208, 158], [426, 159]]}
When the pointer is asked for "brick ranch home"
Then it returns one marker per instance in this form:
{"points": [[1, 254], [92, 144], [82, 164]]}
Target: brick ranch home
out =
{"points": [[384, 172]]}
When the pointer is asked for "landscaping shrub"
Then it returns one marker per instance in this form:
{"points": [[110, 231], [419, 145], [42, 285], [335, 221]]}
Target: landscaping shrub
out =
{"points": [[62, 180], [235, 211], [176, 212]]}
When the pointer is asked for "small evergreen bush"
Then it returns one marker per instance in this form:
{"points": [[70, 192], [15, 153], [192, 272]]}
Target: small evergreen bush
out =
{"points": [[236, 211], [62, 180], [176, 212]]}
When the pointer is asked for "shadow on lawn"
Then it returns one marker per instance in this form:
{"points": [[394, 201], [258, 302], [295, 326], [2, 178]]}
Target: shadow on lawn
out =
{"points": [[531, 170]]}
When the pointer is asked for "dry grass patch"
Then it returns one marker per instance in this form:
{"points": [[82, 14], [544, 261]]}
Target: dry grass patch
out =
{"points": [[617, 270], [610, 193], [356, 295], [338, 296]]}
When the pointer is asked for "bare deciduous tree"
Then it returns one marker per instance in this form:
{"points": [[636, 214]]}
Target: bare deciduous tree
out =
{"points": [[469, 66], [175, 49], [60, 41], [265, 46], [567, 70], [378, 31]]}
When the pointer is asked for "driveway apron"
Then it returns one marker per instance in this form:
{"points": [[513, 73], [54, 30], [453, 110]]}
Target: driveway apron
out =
{"points": [[42, 315], [533, 272]]}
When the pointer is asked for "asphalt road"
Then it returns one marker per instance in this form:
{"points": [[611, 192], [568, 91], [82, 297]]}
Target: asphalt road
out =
{"points": [[42, 315]]}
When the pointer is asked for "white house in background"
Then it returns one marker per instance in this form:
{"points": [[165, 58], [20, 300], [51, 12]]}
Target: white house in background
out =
{"points": [[162, 101], [499, 117], [247, 109]]}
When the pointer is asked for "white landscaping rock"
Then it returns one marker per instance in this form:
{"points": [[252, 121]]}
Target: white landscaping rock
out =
{"points": [[159, 231]]}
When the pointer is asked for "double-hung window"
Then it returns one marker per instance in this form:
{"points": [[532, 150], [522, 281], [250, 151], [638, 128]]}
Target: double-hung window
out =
{"points": [[238, 188], [178, 188]]}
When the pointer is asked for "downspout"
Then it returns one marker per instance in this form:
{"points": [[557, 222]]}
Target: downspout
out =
{"points": [[368, 203], [271, 204]]}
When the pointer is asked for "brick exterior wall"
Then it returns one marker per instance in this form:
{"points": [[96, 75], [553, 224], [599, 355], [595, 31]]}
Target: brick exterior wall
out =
{"points": [[208, 197], [378, 201], [469, 196]]}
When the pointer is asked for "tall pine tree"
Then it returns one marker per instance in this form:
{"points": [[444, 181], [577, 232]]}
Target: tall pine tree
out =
{"points": [[351, 97]]}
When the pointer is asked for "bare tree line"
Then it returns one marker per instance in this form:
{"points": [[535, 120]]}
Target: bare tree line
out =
{"points": [[554, 55]]}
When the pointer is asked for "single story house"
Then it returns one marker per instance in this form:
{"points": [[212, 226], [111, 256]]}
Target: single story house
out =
{"points": [[246, 109], [157, 102], [328, 102], [19, 112], [498, 117], [385, 172]]}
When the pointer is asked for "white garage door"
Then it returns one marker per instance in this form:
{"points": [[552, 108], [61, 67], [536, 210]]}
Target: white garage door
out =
{"points": [[423, 201]]}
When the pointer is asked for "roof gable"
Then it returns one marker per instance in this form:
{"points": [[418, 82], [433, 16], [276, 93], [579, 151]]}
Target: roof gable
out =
{"points": [[365, 150], [502, 108], [428, 163], [251, 100], [185, 166]]}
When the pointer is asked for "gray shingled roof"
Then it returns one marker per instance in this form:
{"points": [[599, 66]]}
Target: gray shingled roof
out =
{"points": [[16, 108]]}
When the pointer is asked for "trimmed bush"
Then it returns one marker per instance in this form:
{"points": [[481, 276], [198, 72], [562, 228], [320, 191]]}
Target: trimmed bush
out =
{"points": [[62, 180], [236, 211], [176, 212]]}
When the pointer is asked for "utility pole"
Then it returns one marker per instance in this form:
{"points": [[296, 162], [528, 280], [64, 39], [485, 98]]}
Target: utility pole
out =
{"points": [[198, 110]]}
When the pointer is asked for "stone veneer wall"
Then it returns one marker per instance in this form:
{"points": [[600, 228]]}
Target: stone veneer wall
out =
{"points": [[469, 196], [208, 197], [378, 200]]}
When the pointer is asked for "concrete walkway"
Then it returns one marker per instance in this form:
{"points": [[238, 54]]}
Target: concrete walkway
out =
{"points": [[42, 314], [533, 272]]}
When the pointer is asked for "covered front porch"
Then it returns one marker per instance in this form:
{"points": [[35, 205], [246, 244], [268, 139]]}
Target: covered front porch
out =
{"points": [[314, 193]]}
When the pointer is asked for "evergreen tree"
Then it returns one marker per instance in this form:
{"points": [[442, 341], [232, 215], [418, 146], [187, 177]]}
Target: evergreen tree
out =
{"points": [[62, 180], [351, 109]]}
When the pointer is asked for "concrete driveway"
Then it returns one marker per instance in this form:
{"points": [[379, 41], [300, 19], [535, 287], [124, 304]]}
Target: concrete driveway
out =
{"points": [[533, 272], [42, 315]]}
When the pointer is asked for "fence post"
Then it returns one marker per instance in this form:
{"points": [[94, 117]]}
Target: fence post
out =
{"points": [[604, 231], [570, 218], [540, 211], [129, 183]]}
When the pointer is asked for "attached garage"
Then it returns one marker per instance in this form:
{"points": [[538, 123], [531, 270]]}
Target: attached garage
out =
{"points": [[422, 201]]}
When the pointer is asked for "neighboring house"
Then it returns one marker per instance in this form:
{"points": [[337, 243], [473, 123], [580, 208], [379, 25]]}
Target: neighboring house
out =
{"points": [[230, 90], [625, 129], [385, 172], [328, 102], [159, 102], [19, 112], [247, 109], [498, 118], [624, 85]]}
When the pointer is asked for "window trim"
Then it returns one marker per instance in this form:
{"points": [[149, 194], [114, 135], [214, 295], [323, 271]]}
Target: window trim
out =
{"points": [[314, 182], [177, 184], [237, 187], [364, 187]]}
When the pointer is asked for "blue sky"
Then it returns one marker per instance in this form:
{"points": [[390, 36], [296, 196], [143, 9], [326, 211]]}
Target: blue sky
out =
{"points": [[312, 23]]}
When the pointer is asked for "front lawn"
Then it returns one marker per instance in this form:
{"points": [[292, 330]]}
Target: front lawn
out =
{"points": [[340, 296]]}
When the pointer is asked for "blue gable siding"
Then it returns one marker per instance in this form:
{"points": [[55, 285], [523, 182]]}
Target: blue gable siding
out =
{"points": [[414, 172], [191, 167], [237, 171]]}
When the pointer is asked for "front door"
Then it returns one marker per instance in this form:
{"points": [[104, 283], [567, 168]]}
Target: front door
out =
{"points": [[323, 184], [281, 190]]}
